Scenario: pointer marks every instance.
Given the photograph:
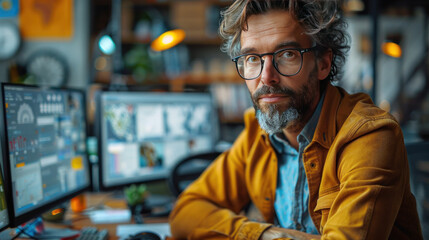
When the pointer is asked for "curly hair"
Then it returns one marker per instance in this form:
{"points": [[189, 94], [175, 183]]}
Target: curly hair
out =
{"points": [[322, 20]]}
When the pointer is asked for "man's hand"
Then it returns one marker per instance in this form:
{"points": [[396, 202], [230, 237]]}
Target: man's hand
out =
{"points": [[282, 233]]}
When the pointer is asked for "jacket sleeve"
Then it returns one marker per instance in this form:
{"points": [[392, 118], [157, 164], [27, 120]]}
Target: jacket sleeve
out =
{"points": [[209, 208], [373, 174]]}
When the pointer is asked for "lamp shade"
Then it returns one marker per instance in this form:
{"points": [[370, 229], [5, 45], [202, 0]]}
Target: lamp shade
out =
{"points": [[168, 40]]}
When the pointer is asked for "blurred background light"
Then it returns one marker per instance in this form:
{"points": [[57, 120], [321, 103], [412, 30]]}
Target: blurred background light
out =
{"points": [[106, 45], [168, 40], [354, 6], [101, 63], [392, 49]]}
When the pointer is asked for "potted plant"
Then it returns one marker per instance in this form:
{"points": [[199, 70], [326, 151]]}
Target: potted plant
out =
{"points": [[135, 196]]}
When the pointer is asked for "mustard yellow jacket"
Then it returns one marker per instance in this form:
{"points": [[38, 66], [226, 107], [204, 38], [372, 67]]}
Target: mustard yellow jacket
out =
{"points": [[357, 172]]}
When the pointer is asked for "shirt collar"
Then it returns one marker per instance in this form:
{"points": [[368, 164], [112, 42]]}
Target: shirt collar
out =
{"points": [[308, 131]]}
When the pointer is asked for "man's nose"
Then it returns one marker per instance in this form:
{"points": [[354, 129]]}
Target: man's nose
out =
{"points": [[269, 75]]}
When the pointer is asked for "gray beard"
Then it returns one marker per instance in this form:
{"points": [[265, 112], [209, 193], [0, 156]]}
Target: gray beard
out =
{"points": [[274, 122]]}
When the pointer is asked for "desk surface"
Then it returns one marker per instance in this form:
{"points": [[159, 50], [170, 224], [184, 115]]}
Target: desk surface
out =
{"points": [[78, 221], [95, 200]]}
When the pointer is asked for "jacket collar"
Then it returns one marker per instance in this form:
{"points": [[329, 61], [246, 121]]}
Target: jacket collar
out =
{"points": [[327, 126]]}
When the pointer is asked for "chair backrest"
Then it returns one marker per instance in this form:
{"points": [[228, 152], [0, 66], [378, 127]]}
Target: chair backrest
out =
{"points": [[189, 169], [418, 158]]}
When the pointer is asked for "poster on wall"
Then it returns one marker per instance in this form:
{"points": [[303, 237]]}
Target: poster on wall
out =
{"points": [[45, 19], [9, 8]]}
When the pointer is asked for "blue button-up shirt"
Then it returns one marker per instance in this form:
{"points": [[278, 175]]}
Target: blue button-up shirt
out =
{"points": [[291, 203]]}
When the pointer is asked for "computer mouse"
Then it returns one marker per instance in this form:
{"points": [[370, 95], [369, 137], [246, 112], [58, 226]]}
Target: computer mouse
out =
{"points": [[145, 236]]}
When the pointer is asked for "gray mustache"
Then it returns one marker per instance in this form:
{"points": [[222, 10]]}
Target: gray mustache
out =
{"points": [[273, 90]]}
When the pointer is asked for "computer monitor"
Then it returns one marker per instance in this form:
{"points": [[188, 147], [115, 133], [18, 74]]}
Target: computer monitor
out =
{"points": [[143, 134], [44, 148]]}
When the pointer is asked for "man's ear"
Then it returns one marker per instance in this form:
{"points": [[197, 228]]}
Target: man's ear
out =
{"points": [[324, 63]]}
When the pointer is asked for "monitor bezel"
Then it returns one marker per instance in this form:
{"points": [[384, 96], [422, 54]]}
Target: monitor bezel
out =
{"points": [[16, 220], [98, 121]]}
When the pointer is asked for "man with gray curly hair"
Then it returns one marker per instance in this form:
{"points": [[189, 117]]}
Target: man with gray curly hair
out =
{"points": [[317, 162]]}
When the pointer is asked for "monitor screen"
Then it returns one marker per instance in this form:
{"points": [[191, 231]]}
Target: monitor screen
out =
{"points": [[44, 139], [143, 134]]}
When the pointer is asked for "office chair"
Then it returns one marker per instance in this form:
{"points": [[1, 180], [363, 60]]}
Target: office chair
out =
{"points": [[188, 169], [418, 158]]}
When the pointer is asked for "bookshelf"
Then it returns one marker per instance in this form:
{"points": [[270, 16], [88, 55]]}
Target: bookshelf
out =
{"points": [[208, 69]]}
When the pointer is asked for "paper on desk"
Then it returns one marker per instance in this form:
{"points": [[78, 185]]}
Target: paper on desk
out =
{"points": [[124, 231]]}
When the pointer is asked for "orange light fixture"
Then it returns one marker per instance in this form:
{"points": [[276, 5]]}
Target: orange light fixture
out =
{"points": [[168, 40], [392, 49]]}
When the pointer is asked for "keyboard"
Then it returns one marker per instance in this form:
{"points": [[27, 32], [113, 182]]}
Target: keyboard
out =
{"points": [[92, 233]]}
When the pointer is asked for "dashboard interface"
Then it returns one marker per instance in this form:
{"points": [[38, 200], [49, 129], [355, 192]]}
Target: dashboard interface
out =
{"points": [[46, 137]]}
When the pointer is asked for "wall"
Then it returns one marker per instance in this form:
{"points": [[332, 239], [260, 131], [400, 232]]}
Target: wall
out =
{"points": [[389, 69], [75, 50]]}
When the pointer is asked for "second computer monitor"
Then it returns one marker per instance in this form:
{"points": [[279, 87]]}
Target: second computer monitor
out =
{"points": [[143, 134]]}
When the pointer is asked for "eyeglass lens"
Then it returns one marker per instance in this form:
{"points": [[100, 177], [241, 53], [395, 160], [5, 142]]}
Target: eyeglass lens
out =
{"points": [[287, 62]]}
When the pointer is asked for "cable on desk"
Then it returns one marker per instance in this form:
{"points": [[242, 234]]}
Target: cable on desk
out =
{"points": [[22, 230], [35, 237], [32, 236]]}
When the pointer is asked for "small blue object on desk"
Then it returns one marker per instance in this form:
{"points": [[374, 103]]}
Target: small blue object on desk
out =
{"points": [[35, 229]]}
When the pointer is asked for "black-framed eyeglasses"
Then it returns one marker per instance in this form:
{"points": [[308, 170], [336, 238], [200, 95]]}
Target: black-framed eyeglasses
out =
{"points": [[287, 61]]}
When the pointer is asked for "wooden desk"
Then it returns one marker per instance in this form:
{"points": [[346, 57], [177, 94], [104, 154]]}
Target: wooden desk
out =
{"points": [[78, 221], [97, 200]]}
